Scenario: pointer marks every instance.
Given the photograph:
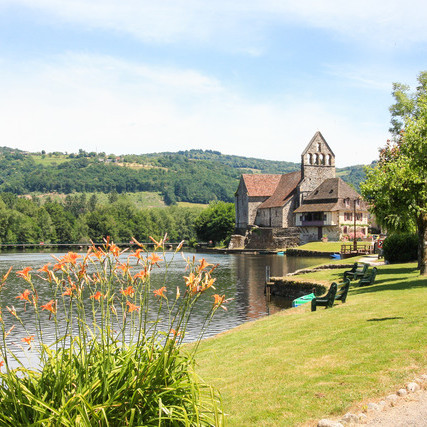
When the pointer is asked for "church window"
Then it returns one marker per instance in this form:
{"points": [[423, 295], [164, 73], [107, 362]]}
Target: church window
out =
{"points": [[319, 146], [316, 159], [328, 159], [309, 158], [321, 159]]}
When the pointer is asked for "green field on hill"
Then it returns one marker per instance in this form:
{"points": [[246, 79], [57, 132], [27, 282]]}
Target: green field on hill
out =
{"points": [[299, 366]]}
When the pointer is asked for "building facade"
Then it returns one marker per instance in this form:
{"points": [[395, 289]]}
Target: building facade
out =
{"points": [[313, 200]]}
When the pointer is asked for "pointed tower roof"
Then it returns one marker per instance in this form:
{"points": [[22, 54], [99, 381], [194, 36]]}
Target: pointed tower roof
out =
{"points": [[318, 135]]}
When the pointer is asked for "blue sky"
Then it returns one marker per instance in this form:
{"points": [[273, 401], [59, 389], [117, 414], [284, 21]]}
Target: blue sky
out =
{"points": [[248, 77]]}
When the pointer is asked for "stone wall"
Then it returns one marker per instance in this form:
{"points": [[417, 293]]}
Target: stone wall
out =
{"points": [[294, 289], [237, 242], [272, 238]]}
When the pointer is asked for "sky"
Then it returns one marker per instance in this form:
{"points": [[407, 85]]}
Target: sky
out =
{"points": [[254, 78]]}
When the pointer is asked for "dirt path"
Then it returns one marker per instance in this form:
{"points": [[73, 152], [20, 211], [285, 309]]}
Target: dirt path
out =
{"points": [[410, 411], [405, 408]]}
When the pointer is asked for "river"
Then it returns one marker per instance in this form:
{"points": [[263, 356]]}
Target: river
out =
{"points": [[240, 277]]}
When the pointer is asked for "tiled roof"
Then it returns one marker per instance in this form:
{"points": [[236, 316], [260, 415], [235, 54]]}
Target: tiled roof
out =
{"points": [[261, 185], [287, 185], [318, 207], [329, 196], [333, 188]]}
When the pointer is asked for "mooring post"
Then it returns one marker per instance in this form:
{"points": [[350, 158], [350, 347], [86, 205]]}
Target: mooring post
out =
{"points": [[267, 288]]}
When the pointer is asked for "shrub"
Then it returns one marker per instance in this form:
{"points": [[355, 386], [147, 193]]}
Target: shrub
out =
{"points": [[400, 247], [111, 361]]}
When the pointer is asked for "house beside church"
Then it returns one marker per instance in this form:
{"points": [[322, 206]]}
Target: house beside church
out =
{"points": [[308, 204]]}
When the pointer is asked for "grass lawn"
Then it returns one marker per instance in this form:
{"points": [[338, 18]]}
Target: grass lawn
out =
{"points": [[322, 246], [296, 366]]}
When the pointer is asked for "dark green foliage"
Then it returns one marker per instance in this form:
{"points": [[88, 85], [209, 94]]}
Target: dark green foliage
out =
{"points": [[216, 223], [196, 176], [80, 219], [400, 247]]}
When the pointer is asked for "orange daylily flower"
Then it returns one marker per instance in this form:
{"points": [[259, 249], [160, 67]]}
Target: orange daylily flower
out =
{"points": [[141, 274], [203, 264], [154, 258], [28, 339], [129, 291], [207, 283], [44, 269], [69, 291], [138, 254], [219, 299], [123, 267], [132, 307], [24, 273], [50, 306], [24, 295], [1, 363], [160, 292], [175, 333], [115, 250], [99, 253], [70, 258], [97, 296]]}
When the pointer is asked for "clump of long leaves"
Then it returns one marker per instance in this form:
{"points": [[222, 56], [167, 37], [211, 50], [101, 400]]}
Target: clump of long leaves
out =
{"points": [[111, 362]]}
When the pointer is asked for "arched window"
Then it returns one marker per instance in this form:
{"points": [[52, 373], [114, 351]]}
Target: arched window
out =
{"points": [[310, 158], [328, 159], [319, 146], [321, 159], [316, 159]]}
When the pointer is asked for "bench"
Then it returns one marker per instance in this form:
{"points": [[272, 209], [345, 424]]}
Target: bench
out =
{"points": [[368, 278], [337, 291], [356, 272]]}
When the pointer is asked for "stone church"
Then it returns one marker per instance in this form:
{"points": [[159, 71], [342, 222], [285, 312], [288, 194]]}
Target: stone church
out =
{"points": [[299, 206]]}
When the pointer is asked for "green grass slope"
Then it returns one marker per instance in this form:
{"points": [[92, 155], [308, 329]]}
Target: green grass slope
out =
{"points": [[298, 365]]}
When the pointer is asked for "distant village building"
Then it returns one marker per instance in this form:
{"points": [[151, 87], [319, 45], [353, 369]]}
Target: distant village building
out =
{"points": [[311, 204]]}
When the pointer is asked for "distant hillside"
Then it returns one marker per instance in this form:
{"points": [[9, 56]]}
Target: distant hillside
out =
{"points": [[195, 176]]}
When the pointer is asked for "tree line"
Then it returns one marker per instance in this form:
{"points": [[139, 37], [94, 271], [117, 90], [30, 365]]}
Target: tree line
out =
{"points": [[81, 218]]}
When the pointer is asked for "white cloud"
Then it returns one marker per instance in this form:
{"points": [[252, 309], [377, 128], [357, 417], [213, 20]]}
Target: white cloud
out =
{"points": [[391, 23], [103, 104]]}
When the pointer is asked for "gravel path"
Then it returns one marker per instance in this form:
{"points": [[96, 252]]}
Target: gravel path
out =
{"points": [[405, 408], [408, 412]]}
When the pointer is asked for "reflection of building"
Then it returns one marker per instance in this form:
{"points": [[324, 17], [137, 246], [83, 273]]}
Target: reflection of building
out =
{"points": [[312, 203], [250, 280]]}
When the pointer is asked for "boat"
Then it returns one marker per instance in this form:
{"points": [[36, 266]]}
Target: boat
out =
{"points": [[336, 256], [302, 300], [280, 253]]}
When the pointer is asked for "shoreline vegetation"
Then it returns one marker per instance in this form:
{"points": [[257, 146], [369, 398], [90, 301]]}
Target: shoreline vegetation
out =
{"points": [[298, 366]]}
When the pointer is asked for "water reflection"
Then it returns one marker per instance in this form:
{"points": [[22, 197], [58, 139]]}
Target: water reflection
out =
{"points": [[240, 277]]}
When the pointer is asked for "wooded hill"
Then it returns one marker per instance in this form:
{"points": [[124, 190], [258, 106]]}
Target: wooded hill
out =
{"points": [[195, 176]]}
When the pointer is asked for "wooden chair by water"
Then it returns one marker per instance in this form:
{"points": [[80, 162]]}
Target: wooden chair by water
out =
{"points": [[368, 278], [337, 292], [357, 271]]}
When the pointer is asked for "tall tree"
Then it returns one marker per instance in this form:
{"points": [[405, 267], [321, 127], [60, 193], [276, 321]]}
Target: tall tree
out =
{"points": [[397, 186], [216, 222]]}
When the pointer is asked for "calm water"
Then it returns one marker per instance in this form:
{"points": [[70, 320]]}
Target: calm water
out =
{"points": [[240, 277]]}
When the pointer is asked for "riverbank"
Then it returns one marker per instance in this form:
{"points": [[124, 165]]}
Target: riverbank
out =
{"points": [[298, 366]]}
